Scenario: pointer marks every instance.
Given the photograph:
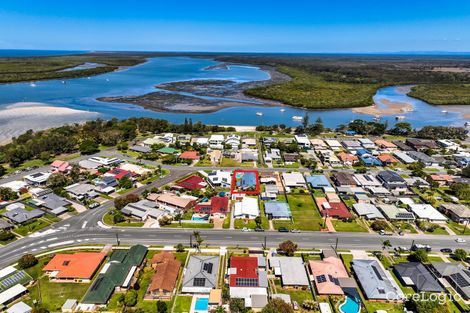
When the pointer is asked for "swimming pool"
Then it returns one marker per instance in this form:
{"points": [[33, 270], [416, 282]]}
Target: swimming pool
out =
{"points": [[351, 305], [199, 217], [202, 305]]}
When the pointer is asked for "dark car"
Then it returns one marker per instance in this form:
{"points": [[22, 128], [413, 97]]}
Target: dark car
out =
{"points": [[446, 250], [259, 229], [283, 230]]}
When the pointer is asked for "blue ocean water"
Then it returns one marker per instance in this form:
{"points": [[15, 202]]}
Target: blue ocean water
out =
{"points": [[80, 93], [36, 53]]}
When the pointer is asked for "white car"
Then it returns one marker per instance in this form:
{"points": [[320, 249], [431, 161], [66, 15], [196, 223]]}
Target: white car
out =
{"points": [[246, 229], [460, 240]]}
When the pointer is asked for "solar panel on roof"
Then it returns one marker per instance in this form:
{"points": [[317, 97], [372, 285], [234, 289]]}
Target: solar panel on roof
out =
{"points": [[376, 271], [321, 279], [199, 282], [208, 267], [246, 282], [460, 280]]}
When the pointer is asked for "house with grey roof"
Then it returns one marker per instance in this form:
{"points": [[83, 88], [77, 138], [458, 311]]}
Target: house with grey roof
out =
{"points": [[143, 209], [459, 213], [20, 216], [376, 282], [391, 180], [200, 275], [368, 211], [4, 225], [81, 191], [423, 158], [394, 213], [456, 274], [51, 202], [416, 275], [291, 270], [277, 210]]}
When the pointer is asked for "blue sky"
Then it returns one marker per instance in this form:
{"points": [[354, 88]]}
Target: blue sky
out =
{"points": [[246, 26]]}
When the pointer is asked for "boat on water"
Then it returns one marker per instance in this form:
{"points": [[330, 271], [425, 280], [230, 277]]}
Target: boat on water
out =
{"points": [[377, 118], [259, 113], [33, 84], [282, 110], [444, 111], [297, 118], [399, 117]]}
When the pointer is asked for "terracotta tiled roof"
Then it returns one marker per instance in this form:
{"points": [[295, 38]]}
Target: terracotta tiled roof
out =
{"points": [[78, 265], [189, 155], [166, 273]]}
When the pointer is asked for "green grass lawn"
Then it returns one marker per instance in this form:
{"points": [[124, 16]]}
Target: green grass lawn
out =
{"points": [[459, 228], [406, 227], [226, 162], [52, 295], [241, 223], [352, 226], [388, 307], [108, 219], [26, 164], [226, 224], [182, 304], [190, 225], [298, 295], [305, 214], [31, 227]]}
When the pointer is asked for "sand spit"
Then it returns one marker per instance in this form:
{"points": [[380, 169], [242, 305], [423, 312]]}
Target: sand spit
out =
{"points": [[386, 107], [17, 118]]}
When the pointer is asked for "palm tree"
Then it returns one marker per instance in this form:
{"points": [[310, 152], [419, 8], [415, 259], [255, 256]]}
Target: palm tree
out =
{"points": [[198, 238]]}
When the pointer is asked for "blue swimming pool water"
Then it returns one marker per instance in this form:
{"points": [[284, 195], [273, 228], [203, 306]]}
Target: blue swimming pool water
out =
{"points": [[202, 304], [199, 218], [350, 306]]}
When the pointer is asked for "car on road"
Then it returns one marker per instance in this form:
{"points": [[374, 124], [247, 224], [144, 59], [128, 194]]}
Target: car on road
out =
{"points": [[446, 250], [93, 205], [402, 249], [460, 240], [418, 246], [259, 229], [283, 230], [295, 231], [244, 229]]}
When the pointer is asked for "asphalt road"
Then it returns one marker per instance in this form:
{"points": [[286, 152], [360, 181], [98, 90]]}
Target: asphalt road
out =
{"points": [[87, 228]]}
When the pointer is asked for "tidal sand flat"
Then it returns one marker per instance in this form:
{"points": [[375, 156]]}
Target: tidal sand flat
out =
{"points": [[17, 118], [385, 107]]}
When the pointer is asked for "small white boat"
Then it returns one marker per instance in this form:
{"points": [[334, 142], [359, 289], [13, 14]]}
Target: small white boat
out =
{"points": [[377, 118], [107, 79], [400, 117], [64, 82], [297, 118], [444, 111], [282, 110], [259, 113], [88, 77], [32, 84]]}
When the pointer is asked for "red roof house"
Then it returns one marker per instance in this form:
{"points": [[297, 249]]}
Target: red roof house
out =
{"points": [[244, 269], [189, 155], [60, 166], [216, 205], [80, 266], [119, 173], [192, 182], [331, 208]]}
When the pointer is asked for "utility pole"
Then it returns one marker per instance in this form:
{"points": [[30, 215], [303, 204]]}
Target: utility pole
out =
{"points": [[336, 245], [265, 245], [465, 227], [190, 240], [117, 239]]}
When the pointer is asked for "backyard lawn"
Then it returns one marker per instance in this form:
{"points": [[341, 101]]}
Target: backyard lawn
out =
{"points": [[352, 226], [182, 304], [305, 214], [53, 295], [32, 227]]}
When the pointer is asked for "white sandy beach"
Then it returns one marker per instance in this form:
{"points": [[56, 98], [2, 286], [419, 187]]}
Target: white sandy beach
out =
{"points": [[386, 107], [17, 118]]}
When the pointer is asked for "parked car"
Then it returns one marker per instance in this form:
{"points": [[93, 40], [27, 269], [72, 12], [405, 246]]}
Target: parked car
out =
{"points": [[460, 240], [295, 231], [94, 205], [283, 230], [446, 250], [418, 246], [259, 229], [246, 229]]}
